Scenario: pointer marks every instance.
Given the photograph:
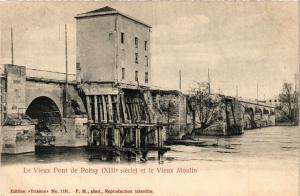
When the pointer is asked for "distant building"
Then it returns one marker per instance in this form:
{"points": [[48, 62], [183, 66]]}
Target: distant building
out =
{"points": [[113, 47]]}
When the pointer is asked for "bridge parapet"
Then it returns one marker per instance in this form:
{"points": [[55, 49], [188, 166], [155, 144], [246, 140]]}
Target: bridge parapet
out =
{"points": [[49, 75], [37, 74], [253, 102]]}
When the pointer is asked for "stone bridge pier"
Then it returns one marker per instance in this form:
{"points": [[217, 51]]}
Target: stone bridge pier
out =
{"points": [[27, 100], [30, 96], [256, 115]]}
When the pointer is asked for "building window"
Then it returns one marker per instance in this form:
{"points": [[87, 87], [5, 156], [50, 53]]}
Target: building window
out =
{"points": [[136, 76], [146, 77], [136, 42], [123, 73], [110, 35], [146, 61], [78, 66], [122, 37], [146, 45], [136, 58]]}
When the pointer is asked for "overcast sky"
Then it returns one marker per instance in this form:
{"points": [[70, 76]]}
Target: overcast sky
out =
{"points": [[243, 44]]}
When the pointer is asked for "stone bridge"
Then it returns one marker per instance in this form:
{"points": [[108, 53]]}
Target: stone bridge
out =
{"points": [[73, 115], [239, 115], [43, 96], [256, 114]]}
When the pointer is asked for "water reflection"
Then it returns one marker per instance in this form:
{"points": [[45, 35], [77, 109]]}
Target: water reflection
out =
{"points": [[272, 143]]}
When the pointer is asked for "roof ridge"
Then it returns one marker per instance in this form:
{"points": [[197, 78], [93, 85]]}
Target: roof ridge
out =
{"points": [[108, 10], [103, 9]]}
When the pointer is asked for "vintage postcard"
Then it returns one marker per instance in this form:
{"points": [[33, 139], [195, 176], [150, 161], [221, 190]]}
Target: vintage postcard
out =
{"points": [[154, 98]]}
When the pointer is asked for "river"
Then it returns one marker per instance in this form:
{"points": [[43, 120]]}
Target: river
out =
{"points": [[274, 144], [260, 162]]}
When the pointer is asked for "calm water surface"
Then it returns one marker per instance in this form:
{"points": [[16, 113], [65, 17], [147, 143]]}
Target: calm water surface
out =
{"points": [[272, 144]]}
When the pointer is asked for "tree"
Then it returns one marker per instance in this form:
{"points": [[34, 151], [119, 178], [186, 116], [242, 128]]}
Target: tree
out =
{"points": [[206, 107], [285, 98], [289, 101], [167, 108]]}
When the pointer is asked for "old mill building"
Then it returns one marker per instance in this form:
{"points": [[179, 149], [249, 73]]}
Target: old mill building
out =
{"points": [[113, 47], [109, 105]]}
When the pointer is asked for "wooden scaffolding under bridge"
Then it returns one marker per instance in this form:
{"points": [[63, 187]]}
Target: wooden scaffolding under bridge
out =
{"points": [[121, 124]]}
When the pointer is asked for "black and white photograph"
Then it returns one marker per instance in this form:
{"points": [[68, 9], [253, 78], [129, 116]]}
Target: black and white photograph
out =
{"points": [[149, 98]]}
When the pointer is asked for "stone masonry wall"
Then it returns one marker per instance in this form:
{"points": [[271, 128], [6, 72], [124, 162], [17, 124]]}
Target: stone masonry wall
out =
{"points": [[170, 110], [16, 80], [18, 139], [72, 133]]}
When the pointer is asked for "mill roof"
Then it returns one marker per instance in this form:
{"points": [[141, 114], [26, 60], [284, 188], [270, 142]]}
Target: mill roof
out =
{"points": [[108, 11]]}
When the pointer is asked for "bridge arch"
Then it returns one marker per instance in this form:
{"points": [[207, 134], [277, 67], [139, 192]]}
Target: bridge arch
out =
{"points": [[45, 109], [249, 110], [248, 117], [40, 89], [266, 111], [258, 111]]}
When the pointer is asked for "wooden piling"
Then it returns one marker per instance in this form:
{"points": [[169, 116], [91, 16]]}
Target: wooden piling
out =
{"points": [[104, 137], [159, 137], [96, 109], [129, 114], [124, 127], [117, 137], [104, 109], [137, 111], [137, 138], [88, 105], [118, 109], [123, 108], [110, 110], [100, 108]]}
